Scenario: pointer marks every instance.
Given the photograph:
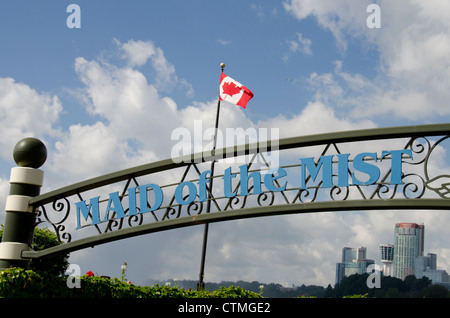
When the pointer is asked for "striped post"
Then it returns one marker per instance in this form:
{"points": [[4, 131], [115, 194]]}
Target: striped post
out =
{"points": [[25, 182]]}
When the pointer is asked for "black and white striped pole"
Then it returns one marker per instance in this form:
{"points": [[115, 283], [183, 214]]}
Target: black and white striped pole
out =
{"points": [[25, 183]]}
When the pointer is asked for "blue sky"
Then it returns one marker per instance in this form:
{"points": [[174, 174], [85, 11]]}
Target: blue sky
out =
{"points": [[108, 95], [195, 37]]}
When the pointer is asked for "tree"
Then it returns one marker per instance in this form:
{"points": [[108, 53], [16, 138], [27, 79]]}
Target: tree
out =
{"points": [[435, 291], [55, 265], [352, 285], [415, 285], [391, 287], [329, 293]]}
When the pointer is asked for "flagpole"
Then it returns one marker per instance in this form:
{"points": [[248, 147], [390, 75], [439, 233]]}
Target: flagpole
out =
{"points": [[208, 204]]}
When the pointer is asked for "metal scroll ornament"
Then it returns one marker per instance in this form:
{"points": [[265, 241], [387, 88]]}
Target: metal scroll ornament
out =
{"points": [[440, 184]]}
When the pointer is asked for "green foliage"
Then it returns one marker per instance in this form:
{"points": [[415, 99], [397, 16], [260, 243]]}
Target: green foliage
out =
{"points": [[357, 296], [390, 287], [270, 290], [55, 265], [49, 266], [20, 283], [435, 291], [233, 292]]}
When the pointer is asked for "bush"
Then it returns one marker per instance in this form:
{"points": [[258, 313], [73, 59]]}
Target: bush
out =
{"points": [[20, 283], [50, 266], [54, 265]]}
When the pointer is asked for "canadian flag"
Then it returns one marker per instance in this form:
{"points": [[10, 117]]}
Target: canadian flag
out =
{"points": [[234, 92]]}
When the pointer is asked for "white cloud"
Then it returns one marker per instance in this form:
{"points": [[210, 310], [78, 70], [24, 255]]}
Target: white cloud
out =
{"points": [[301, 45], [132, 107], [24, 112], [315, 118], [339, 17], [223, 42], [365, 99], [139, 52], [413, 44], [92, 150]]}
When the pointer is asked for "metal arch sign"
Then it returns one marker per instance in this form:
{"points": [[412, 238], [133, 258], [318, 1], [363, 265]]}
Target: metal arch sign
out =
{"points": [[138, 201], [333, 180]]}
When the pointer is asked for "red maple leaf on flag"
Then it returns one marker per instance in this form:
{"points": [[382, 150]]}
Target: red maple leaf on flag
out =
{"points": [[230, 88], [233, 91]]}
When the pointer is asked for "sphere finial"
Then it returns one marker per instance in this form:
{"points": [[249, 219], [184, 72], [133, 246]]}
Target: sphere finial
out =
{"points": [[222, 66], [30, 152]]}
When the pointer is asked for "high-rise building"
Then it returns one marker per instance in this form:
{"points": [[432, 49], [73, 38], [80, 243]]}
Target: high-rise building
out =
{"points": [[426, 266], [353, 262], [353, 254], [409, 242], [387, 258]]}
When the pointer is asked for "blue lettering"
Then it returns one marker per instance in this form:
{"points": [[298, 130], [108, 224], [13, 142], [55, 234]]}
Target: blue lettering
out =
{"points": [[202, 185], [192, 192], [114, 204], [343, 170], [132, 201], [144, 206], [244, 181], [227, 176], [325, 162], [320, 172], [269, 178], [372, 171], [396, 163], [82, 207]]}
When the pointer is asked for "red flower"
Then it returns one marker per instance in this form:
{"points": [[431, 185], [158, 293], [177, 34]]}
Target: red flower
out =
{"points": [[90, 273]]}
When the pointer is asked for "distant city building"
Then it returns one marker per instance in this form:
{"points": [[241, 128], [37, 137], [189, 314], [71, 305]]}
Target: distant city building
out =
{"points": [[426, 266], [357, 267], [404, 257], [387, 258], [409, 242], [351, 254], [353, 262]]}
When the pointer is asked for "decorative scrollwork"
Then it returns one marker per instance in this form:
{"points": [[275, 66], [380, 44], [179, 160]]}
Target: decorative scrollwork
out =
{"points": [[63, 237], [385, 192], [114, 224], [263, 197], [413, 190], [170, 210], [338, 194], [62, 211], [235, 203], [440, 185], [134, 220], [196, 207], [420, 149], [303, 195]]}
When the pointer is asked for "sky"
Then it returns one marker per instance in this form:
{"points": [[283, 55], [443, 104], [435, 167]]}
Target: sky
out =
{"points": [[108, 95]]}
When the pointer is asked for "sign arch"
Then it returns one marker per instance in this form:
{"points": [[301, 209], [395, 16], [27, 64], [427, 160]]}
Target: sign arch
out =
{"points": [[371, 169]]}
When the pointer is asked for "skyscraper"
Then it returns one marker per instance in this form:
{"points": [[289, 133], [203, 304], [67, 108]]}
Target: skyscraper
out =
{"points": [[409, 241], [352, 254], [353, 262], [387, 258]]}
